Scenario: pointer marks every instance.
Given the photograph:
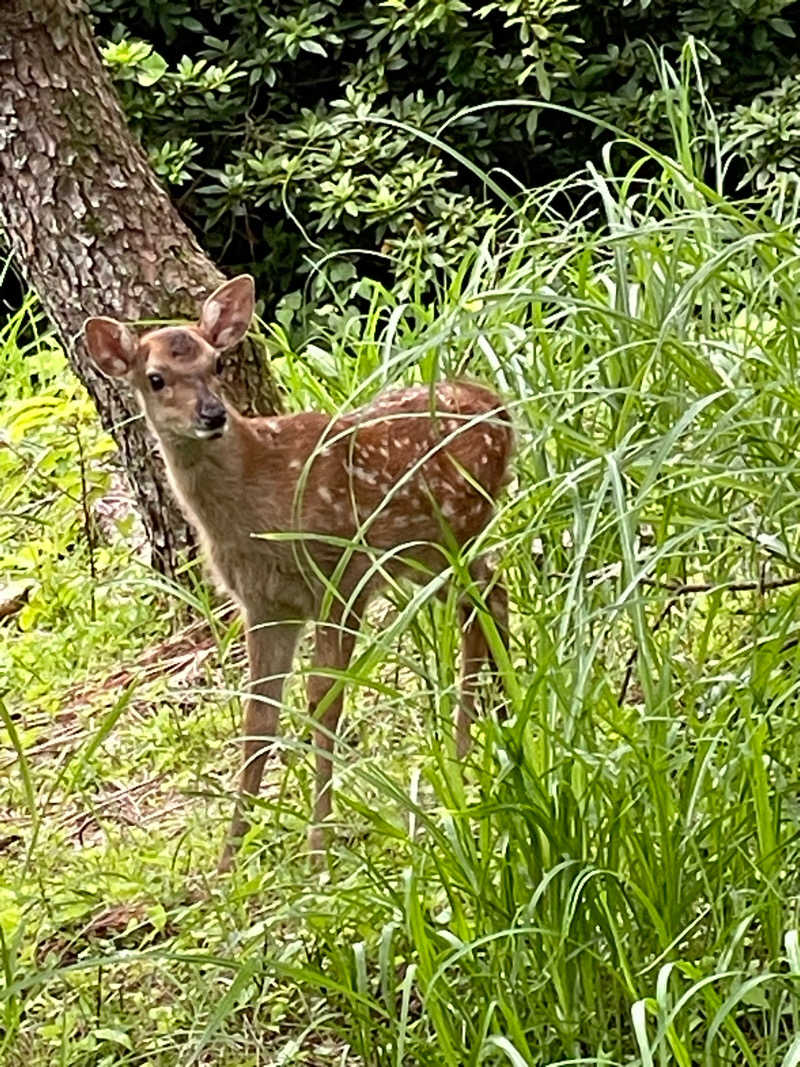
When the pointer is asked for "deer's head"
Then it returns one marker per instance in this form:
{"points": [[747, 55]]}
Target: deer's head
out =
{"points": [[175, 369]]}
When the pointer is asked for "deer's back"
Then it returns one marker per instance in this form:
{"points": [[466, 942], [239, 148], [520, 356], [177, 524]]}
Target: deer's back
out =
{"points": [[416, 464], [415, 468], [427, 463]]}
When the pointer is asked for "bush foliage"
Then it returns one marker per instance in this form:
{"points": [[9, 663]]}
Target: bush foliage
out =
{"points": [[282, 128]]}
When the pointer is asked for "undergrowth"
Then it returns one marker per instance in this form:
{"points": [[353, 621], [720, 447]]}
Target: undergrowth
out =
{"points": [[611, 876]]}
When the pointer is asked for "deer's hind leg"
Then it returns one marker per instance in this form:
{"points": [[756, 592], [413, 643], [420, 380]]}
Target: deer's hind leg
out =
{"points": [[270, 651], [475, 650], [334, 640]]}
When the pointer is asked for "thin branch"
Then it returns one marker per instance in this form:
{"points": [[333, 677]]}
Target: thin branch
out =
{"points": [[692, 589]]}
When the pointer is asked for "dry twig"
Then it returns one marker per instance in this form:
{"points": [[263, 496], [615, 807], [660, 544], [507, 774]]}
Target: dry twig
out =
{"points": [[678, 591]]}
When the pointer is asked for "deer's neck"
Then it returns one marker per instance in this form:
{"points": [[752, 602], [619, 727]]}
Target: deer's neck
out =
{"points": [[207, 477]]}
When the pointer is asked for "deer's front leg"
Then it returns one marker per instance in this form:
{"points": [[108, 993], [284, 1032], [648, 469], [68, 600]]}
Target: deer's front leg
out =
{"points": [[270, 650]]}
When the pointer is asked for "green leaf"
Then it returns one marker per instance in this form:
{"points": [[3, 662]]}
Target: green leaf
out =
{"points": [[782, 27], [117, 1037], [151, 70]]}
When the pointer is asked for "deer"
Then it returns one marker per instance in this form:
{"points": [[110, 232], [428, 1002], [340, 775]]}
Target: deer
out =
{"points": [[306, 517]]}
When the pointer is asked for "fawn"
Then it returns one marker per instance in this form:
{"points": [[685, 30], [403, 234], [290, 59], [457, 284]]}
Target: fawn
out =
{"points": [[365, 497]]}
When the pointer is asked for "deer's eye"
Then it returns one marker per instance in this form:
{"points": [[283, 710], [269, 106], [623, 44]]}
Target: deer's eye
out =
{"points": [[219, 365], [156, 382]]}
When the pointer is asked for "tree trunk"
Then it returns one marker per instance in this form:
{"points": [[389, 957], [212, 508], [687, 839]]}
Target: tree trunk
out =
{"points": [[94, 233]]}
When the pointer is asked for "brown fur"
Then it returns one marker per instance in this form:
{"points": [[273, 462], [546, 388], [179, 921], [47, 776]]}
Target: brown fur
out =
{"points": [[417, 469]]}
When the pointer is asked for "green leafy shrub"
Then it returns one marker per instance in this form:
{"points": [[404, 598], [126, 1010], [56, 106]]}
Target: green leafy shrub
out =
{"points": [[766, 134], [283, 128]]}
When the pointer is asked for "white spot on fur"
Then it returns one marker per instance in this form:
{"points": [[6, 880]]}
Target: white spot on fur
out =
{"points": [[325, 494], [365, 474]]}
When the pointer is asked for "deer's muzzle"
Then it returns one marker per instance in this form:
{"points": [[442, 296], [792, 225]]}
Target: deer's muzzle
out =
{"points": [[211, 417]]}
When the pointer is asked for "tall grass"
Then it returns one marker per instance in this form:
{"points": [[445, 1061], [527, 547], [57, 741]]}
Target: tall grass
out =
{"points": [[611, 876]]}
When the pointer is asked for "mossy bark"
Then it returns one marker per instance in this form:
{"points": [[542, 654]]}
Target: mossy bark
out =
{"points": [[94, 233]]}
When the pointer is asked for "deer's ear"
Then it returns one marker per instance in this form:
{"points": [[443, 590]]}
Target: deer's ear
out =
{"points": [[227, 313], [111, 345]]}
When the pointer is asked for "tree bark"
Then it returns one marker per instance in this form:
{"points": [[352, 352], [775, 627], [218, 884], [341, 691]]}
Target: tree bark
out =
{"points": [[94, 233]]}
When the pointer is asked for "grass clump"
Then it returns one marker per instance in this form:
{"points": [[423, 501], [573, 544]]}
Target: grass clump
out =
{"points": [[611, 877]]}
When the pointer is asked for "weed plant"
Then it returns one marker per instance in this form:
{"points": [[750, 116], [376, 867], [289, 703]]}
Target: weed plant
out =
{"points": [[611, 876]]}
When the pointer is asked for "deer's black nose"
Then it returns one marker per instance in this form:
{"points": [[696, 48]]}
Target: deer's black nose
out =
{"points": [[211, 413]]}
